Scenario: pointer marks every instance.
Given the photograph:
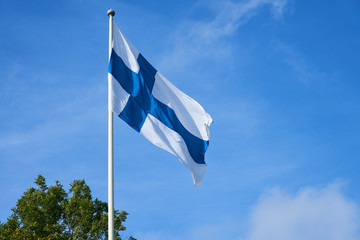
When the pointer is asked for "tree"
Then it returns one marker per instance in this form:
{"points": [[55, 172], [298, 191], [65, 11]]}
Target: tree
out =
{"points": [[53, 214]]}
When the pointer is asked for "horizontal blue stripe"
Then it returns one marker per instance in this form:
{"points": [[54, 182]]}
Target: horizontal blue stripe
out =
{"points": [[141, 102]]}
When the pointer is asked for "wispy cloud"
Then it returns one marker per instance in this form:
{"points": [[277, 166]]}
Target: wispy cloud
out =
{"points": [[54, 130], [196, 38], [297, 61], [47, 117]]}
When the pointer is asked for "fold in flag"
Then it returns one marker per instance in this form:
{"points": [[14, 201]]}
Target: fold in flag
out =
{"points": [[151, 105]]}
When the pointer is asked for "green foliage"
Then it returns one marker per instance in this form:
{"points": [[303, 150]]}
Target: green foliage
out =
{"points": [[50, 213]]}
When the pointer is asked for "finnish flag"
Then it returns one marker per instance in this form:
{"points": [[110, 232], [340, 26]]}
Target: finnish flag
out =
{"points": [[151, 105]]}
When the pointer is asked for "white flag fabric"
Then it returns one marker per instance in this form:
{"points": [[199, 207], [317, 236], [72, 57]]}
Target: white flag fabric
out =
{"points": [[151, 105]]}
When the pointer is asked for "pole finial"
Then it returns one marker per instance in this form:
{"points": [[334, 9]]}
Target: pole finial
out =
{"points": [[111, 12]]}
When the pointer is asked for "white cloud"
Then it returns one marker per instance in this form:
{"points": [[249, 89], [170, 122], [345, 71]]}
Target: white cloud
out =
{"points": [[229, 18], [311, 214], [196, 38], [278, 8]]}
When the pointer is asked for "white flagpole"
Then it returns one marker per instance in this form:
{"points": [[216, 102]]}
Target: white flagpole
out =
{"points": [[110, 13]]}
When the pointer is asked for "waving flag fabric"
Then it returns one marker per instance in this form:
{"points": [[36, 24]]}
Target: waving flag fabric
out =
{"points": [[151, 105]]}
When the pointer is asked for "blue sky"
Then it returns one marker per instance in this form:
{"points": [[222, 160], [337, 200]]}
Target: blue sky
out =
{"points": [[280, 78]]}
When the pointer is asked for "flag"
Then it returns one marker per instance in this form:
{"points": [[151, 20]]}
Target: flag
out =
{"points": [[150, 104]]}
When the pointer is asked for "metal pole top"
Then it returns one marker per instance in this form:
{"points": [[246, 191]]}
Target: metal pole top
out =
{"points": [[110, 12]]}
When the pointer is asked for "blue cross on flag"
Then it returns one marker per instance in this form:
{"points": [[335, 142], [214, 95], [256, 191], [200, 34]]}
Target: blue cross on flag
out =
{"points": [[151, 105]]}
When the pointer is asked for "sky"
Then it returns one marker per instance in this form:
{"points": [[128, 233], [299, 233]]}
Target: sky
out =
{"points": [[280, 78]]}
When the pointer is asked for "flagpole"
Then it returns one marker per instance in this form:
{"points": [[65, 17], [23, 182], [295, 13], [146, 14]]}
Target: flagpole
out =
{"points": [[110, 13]]}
